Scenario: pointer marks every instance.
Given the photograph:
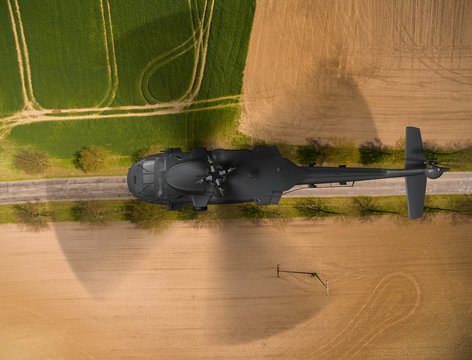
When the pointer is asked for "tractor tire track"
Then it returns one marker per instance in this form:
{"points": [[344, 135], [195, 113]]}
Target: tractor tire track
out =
{"points": [[350, 334]]}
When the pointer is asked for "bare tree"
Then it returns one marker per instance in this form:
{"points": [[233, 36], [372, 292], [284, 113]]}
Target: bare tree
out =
{"points": [[315, 208], [373, 151], [32, 161], [366, 207], [34, 216], [92, 212], [150, 150], [257, 214], [459, 208], [148, 216], [315, 151], [92, 158]]}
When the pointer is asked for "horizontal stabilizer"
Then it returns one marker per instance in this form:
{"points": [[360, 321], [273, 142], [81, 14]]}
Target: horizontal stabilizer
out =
{"points": [[415, 194], [414, 154]]}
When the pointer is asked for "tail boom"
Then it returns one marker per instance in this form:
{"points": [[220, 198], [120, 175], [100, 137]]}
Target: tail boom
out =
{"points": [[416, 171]]}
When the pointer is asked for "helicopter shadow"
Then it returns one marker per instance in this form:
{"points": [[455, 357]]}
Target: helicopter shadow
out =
{"points": [[325, 102], [251, 303], [102, 256]]}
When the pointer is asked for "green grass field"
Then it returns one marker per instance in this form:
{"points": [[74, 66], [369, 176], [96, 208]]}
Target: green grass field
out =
{"points": [[154, 46], [145, 31], [62, 139], [11, 99], [67, 53], [229, 38]]}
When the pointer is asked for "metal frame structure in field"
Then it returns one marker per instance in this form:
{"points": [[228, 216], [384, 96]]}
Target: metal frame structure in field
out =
{"points": [[312, 274]]}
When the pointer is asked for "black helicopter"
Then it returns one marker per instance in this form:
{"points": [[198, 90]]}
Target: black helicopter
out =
{"points": [[201, 177]]}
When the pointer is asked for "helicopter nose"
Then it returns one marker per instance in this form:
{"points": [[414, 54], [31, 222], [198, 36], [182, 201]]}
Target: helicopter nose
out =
{"points": [[134, 178]]}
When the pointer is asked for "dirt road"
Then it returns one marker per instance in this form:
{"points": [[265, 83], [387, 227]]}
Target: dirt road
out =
{"points": [[114, 187], [359, 69], [396, 291], [82, 188]]}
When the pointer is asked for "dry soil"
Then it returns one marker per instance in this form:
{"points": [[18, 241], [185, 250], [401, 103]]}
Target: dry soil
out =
{"points": [[359, 70], [398, 290]]}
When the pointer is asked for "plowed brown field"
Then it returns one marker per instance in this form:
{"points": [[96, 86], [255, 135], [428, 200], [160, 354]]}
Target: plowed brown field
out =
{"points": [[397, 291], [359, 69]]}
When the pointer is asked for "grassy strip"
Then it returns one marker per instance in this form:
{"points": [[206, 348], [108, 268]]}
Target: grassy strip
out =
{"points": [[64, 211], [122, 138], [213, 128], [155, 217], [62, 139], [457, 156]]}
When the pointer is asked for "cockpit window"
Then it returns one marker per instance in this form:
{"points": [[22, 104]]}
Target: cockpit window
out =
{"points": [[148, 172], [148, 178], [148, 166]]}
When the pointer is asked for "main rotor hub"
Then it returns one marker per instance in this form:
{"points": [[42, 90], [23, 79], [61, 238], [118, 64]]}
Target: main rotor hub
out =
{"points": [[216, 175]]}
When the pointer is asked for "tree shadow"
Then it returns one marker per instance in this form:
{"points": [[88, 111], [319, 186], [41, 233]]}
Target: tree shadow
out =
{"points": [[101, 256]]}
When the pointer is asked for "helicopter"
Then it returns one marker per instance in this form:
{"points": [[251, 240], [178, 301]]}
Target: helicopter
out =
{"points": [[200, 177]]}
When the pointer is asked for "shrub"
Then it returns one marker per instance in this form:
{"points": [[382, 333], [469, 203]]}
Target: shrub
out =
{"points": [[459, 207], [243, 141], [32, 161], [367, 206], [92, 158], [337, 151], [373, 151], [187, 213], [92, 212], [150, 150], [34, 216], [257, 213], [315, 152], [313, 207], [342, 151], [147, 216]]}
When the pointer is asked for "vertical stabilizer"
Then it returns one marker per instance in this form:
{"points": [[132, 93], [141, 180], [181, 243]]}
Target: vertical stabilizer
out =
{"points": [[416, 184]]}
